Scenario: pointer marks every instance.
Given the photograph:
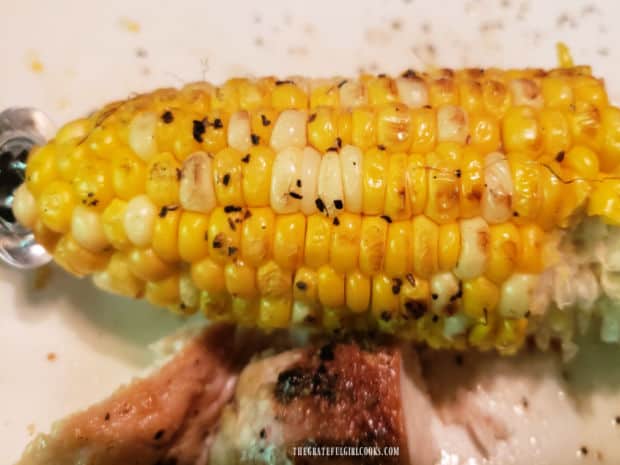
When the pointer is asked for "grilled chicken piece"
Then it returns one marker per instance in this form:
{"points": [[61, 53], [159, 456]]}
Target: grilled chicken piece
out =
{"points": [[162, 419], [222, 400], [225, 400]]}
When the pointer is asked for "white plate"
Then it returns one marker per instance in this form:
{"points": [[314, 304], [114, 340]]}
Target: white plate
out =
{"points": [[68, 57]]}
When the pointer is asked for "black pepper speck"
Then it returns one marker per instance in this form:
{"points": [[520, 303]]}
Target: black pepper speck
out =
{"points": [[167, 117], [198, 130]]}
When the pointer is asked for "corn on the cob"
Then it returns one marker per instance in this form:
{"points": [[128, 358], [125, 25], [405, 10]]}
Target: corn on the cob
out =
{"points": [[441, 206]]}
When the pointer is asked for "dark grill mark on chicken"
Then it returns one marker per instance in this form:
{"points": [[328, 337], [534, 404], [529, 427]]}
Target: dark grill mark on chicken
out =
{"points": [[341, 395]]}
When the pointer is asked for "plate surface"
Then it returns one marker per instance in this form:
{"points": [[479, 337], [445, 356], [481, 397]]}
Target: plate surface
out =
{"points": [[68, 344]]}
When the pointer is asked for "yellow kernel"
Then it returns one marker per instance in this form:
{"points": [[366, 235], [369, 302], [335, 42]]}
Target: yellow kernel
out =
{"points": [[330, 287], [128, 175], [162, 182], [288, 96], [208, 275], [56, 204], [166, 234]]}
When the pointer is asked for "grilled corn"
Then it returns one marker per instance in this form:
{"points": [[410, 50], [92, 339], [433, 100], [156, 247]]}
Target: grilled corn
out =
{"points": [[447, 206]]}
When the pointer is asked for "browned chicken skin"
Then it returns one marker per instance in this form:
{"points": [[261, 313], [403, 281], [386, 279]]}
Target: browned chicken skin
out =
{"points": [[321, 396]]}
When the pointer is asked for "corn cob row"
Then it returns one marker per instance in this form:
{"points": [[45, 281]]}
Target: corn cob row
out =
{"points": [[420, 204]]}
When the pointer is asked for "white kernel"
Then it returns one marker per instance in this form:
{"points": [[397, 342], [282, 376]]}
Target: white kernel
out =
{"points": [[25, 207], [289, 130], [87, 229], [452, 124], [139, 220], [474, 248], [516, 294], [284, 175], [330, 184], [445, 289], [142, 135], [497, 195], [309, 178], [239, 131], [196, 191], [412, 92], [351, 167], [526, 92], [188, 292], [352, 94]]}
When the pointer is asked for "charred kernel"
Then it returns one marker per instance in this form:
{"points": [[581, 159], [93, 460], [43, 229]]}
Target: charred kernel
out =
{"points": [[342, 83], [339, 142], [246, 159], [231, 209], [338, 204], [515, 213], [336, 221], [179, 174], [217, 244], [386, 316], [560, 156], [159, 434], [410, 278], [247, 214], [302, 286], [217, 123], [232, 250], [279, 83], [226, 179], [427, 107], [198, 130], [262, 433], [255, 139], [295, 195], [319, 204], [265, 120], [107, 416], [381, 147], [434, 296], [311, 118], [167, 117], [409, 74], [298, 183], [386, 218], [231, 224], [457, 173], [326, 353]]}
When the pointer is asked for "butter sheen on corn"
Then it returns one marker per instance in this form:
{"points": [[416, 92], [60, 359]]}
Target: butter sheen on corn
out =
{"points": [[420, 204]]}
